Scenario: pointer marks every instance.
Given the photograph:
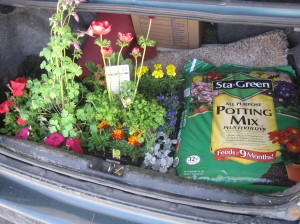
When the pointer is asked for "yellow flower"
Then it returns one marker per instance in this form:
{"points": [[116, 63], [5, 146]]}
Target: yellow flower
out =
{"points": [[254, 73], [263, 76], [197, 78], [158, 74], [171, 70], [158, 67], [120, 126], [143, 70], [276, 79]]}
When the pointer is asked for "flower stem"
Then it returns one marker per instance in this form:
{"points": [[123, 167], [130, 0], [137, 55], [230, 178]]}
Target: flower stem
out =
{"points": [[118, 64], [143, 57], [135, 69], [104, 66]]}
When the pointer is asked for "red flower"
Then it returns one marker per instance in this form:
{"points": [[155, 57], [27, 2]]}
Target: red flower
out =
{"points": [[100, 27], [125, 37], [21, 121], [18, 86], [283, 140], [107, 51], [4, 107], [274, 136], [294, 131], [213, 76], [135, 51], [24, 133], [117, 134], [293, 147], [55, 139], [75, 144]]}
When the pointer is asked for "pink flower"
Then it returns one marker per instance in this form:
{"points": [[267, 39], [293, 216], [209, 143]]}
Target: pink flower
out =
{"points": [[21, 121], [76, 17], [125, 37], [135, 51], [4, 107], [77, 2], [100, 27], [107, 51], [55, 139], [18, 86], [74, 144], [89, 32], [24, 133], [76, 46]]}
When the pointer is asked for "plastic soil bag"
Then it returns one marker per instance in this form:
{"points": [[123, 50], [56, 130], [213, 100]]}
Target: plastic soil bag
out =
{"points": [[238, 126]]}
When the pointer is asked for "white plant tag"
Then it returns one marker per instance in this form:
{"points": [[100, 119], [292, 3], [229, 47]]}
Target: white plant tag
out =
{"points": [[114, 74]]}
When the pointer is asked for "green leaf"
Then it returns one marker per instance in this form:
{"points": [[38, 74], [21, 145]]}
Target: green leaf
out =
{"points": [[52, 95], [93, 128], [52, 129], [65, 133], [64, 113], [91, 66]]}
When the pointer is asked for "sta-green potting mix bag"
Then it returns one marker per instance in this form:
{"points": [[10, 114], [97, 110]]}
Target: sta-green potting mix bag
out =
{"points": [[240, 127]]}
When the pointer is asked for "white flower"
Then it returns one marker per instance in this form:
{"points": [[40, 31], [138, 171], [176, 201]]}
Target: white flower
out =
{"points": [[158, 158]]}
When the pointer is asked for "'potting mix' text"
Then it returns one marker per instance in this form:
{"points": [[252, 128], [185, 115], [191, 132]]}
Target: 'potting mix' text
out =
{"points": [[240, 128]]}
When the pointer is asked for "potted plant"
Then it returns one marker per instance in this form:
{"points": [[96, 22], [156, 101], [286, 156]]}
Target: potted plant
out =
{"points": [[289, 141]]}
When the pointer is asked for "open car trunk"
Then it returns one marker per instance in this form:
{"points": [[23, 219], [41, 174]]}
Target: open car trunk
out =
{"points": [[40, 184]]}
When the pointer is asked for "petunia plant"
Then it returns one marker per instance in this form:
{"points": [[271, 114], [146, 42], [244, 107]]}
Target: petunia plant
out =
{"points": [[43, 109]]}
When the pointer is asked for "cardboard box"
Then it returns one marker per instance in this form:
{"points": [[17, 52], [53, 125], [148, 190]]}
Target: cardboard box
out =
{"points": [[170, 32]]}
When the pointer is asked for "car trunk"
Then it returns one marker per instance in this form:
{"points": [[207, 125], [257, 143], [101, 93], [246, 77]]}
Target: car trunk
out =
{"points": [[42, 184]]}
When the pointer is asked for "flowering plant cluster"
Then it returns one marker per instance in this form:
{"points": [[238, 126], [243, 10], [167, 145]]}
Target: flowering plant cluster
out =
{"points": [[160, 157], [98, 112], [202, 93], [289, 140]]}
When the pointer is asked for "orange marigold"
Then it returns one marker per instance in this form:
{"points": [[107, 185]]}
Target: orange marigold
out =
{"points": [[117, 134], [103, 124], [133, 140]]}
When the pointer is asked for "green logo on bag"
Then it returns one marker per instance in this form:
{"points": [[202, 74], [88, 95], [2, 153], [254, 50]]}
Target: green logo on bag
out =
{"points": [[243, 86]]}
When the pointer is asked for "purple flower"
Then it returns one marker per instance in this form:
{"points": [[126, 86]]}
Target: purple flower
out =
{"points": [[173, 122], [172, 113], [161, 97]]}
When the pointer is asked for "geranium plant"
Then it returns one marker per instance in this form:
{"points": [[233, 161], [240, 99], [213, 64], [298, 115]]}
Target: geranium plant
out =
{"points": [[289, 140]]}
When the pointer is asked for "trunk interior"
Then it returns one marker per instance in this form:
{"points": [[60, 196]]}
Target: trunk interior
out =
{"points": [[85, 182]]}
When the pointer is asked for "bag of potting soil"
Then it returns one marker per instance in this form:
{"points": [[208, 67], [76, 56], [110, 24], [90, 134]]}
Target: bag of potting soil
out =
{"points": [[240, 126]]}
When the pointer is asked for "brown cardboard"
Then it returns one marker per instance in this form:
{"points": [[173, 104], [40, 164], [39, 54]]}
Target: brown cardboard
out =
{"points": [[170, 32]]}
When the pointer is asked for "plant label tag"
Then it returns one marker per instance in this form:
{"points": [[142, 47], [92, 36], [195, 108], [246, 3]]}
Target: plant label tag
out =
{"points": [[115, 76], [116, 154]]}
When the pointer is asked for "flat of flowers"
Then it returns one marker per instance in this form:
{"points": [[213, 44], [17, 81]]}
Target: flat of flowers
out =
{"points": [[265, 50]]}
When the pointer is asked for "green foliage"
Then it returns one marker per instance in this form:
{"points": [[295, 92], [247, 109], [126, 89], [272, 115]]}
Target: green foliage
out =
{"points": [[57, 103], [144, 42], [49, 105]]}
